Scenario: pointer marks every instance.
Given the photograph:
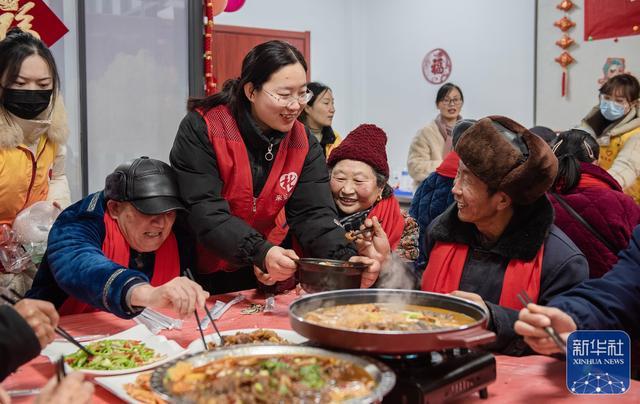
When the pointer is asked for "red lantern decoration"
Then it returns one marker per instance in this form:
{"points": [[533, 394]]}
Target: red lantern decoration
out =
{"points": [[564, 24], [565, 5], [565, 59], [234, 5], [565, 42]]}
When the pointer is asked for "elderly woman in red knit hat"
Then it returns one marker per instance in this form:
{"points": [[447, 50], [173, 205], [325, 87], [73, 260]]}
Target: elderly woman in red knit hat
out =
{"points": [[359, 175]]}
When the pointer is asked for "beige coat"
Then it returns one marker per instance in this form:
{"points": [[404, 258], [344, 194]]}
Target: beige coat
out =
{"points": [[425, 153]]}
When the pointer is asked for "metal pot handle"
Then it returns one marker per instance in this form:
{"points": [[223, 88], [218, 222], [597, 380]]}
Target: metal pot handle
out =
{"points": [[468, 338]]}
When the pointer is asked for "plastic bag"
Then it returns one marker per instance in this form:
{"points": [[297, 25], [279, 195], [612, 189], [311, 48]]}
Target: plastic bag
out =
{"points": [[32, 226], [13, 257]]}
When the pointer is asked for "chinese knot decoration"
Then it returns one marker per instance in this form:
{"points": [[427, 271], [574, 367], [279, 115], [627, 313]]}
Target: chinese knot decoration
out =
{"points": [[565, 6], [565, 58], [34, 17], [565, 42], [564, 24]]}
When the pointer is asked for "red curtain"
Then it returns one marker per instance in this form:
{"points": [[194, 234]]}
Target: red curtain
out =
{"points": [[611, 18]]}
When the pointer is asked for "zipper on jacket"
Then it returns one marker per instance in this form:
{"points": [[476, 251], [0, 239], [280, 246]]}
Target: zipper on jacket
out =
{"points": [[253, 208], [33, 174]]}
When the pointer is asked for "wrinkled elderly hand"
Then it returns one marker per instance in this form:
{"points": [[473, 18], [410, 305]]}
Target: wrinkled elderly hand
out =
{"points": [[279, 263], [4, 397], [373, 244], [474, 297], [531, 323], [369, 275], [41, 316], [71, 390], [263, 277], [181, 295]]}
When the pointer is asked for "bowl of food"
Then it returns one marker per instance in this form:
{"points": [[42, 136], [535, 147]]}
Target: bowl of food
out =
{"points": [[273, 373], [318, 275]]}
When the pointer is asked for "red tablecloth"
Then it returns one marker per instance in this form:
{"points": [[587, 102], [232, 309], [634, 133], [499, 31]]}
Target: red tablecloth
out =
{"points": [[519, 380]]}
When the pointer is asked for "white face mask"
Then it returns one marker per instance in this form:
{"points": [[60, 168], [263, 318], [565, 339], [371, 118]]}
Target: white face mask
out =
{"points": [[611, 110]]}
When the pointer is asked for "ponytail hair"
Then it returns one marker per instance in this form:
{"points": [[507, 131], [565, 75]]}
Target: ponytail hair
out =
{"points": [[573, 147], [257, 67]]}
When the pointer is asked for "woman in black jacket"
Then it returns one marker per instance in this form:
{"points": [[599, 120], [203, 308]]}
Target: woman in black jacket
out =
{"points": [[241, 157]]}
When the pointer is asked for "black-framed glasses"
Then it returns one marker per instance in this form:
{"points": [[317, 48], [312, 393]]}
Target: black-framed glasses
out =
{"points": [[290, 99], [451, 101]]}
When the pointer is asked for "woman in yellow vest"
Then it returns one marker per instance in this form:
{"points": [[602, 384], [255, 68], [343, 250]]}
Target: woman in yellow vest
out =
{"points": [[317, 115], [615, 123], [33, 133]]}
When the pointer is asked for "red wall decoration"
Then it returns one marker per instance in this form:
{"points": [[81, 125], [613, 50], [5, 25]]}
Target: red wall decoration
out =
{"points": [[565, 59], [611, 18], [32, 16], [436, 66]]}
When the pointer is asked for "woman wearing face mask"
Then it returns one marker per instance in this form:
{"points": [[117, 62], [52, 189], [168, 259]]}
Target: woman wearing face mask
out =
{"points": [[33, 132], [241, 157], [433, 142], [317, 115], [615, 124]]}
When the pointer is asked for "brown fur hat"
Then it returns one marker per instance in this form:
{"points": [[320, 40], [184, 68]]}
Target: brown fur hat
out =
{"points": [[508, 158]]}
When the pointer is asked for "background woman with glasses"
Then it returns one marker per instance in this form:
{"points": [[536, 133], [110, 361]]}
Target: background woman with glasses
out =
{"points": [[241, 157], [433, 142], [615, 123]]}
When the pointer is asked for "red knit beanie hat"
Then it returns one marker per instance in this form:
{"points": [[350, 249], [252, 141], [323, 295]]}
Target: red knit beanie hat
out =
{"points": [[366, 143]]}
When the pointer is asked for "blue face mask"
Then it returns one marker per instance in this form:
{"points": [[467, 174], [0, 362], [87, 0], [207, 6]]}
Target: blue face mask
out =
{"points": [[611, 110]]}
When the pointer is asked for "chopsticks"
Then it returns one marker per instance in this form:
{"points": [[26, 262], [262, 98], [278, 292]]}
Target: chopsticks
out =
{"points": [[353, 234], [60, 372], [525, 300], [59, 330], [206, 310]]}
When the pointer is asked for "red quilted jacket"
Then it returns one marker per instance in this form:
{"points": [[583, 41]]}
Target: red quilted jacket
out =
{"points": [[609, 211]]}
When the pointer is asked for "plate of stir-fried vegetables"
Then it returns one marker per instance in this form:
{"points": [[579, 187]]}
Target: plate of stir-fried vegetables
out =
{"points": [[133, 350], [113, 354]]}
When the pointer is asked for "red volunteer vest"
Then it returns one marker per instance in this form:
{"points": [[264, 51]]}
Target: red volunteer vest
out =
{"points": [[116, 248], [446, 263], [235, 172]]}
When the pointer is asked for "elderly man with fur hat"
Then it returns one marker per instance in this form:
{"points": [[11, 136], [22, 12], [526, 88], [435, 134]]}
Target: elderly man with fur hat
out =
{"points": [[498, 239]]}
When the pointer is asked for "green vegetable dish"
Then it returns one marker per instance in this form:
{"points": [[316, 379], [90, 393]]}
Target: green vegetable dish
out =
{"points": [[113, 354]]}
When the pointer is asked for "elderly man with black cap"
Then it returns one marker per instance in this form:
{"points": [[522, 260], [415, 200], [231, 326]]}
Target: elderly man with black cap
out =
{"points": [[498, 239], [117, 251]]}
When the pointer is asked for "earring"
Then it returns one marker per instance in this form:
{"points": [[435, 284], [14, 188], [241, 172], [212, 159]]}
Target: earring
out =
{"points": [[379, 198]]}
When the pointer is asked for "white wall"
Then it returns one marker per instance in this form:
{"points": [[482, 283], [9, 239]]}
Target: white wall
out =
{"points": [[370, 52], [330, 25], [490, 43], [563, 113]]}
